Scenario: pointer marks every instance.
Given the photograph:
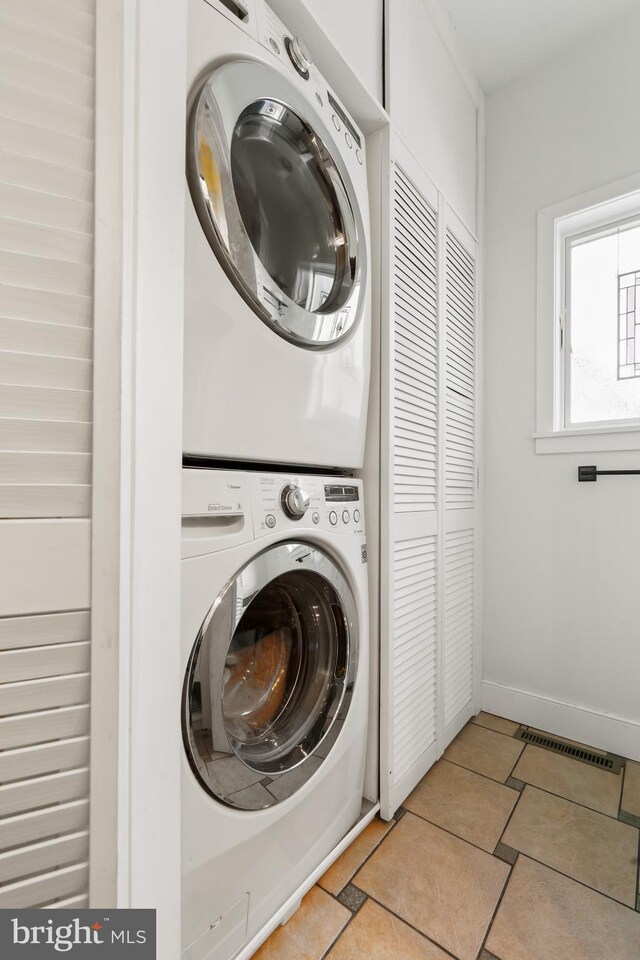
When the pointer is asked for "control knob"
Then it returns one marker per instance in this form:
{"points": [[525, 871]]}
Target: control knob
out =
{"points": [[299, 55], [294, 501]]}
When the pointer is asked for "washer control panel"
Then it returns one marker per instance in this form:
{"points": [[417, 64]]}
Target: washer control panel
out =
{"points": [[287, 502]]}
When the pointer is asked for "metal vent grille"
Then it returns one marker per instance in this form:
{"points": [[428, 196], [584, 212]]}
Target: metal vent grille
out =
{"points": [[605, 761]]}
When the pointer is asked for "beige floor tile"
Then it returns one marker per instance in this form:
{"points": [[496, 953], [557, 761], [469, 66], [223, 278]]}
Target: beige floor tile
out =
{"points": [[484, 751], [499, 724], [545, 916], [631, 793], [592, 848], [441, 885], [473, 807], [341, 871], [376, 934], [310, 932], [571, 779]]}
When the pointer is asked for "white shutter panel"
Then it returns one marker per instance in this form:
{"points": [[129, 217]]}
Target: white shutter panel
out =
{"points": [[459, 554], [409, 628], [47, 77], [46, 257]]}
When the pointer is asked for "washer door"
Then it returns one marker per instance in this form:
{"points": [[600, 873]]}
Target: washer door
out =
{"points": [[270, 677], [276, 203]]}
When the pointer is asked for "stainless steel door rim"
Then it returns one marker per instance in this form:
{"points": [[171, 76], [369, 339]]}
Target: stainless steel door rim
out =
{"points": [[276, 202], [271, 677]]}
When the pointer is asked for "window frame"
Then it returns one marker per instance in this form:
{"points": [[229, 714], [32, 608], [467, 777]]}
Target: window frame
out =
{"points": [[595, 213]]}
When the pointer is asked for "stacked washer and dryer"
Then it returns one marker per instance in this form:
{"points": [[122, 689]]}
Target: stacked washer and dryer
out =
{"points": [[275, 646]]}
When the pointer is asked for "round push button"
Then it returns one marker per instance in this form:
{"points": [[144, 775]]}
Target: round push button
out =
{"points": [[336, 122], [356, 516], [359, 157], [333, 518], [274, 45], [270, 520], [346, 516], [315, 516], [348, 140]]}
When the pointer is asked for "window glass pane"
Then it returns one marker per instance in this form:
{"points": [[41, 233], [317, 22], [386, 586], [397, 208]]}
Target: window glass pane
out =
{"points": [[603, 327]]}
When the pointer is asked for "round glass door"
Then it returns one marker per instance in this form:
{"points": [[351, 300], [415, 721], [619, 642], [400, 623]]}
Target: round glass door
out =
{"points": [[276, 203], [270, 677]]}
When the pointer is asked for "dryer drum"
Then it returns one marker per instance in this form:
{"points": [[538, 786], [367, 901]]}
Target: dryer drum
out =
{"points": [[270, 677], [276, 203]]}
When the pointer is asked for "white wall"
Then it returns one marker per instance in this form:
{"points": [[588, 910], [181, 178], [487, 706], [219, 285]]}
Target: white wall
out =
{"points": [[433, 100], [562, 604], [355, 29]]}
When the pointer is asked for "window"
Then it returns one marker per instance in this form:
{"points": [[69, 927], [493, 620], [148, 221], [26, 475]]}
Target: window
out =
{"points": [[600, 328], [589, 322], [628, 325]]}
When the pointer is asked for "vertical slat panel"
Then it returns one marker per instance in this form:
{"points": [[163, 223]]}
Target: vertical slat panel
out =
{"points": [[409, 524], [458, 622], [414, 652], [47, 94], [414, 346], [459, 542], [460, 375]]}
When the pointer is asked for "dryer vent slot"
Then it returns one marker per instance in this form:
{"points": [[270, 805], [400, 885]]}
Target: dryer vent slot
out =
{"points": [[237, 8]]}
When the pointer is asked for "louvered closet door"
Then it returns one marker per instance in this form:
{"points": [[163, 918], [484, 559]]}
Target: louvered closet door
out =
{"points": [[409, 528], [46, 278], [459, 561]]}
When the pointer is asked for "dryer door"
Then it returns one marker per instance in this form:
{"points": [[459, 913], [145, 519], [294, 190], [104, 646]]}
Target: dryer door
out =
{"points": [[270, 677], [276, 203]]}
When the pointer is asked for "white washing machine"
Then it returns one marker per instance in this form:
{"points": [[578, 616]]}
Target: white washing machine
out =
{"points": [[275, 695], [277, 314]]}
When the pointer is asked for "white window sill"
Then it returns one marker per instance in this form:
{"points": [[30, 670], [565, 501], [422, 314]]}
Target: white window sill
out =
{"points": [[591, 440]]}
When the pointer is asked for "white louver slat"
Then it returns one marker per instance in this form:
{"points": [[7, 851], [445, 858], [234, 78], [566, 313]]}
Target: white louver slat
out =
{"points": [[415, 348], [44, 747], [459, 547], [414, 628], [460, 375], [458, 622], [409, 525], [47, 81]]}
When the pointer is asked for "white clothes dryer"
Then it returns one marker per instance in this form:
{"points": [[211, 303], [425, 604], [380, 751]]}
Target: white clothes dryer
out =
{"points": [[277, 312], [275, 654]]}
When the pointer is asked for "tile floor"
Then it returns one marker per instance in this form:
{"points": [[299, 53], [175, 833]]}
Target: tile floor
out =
{"points": [[502, 852]]}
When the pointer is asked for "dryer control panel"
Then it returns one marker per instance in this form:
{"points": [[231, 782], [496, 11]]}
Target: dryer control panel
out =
{"points": [[293, 53]]}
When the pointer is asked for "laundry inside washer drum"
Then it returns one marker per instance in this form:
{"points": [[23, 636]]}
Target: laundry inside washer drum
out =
{"points": [[269, 702]]}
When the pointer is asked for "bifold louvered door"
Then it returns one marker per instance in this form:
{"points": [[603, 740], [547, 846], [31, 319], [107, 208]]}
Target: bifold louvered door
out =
{"points": [[409, 480], [47, 54], [459, 392], [428, 542]]}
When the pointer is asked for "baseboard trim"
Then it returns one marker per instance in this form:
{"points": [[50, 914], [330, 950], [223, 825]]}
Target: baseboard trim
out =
{"points": [[565, 720]]}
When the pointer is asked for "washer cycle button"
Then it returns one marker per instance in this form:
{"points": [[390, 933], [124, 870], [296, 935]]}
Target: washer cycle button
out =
{"points": [[336, 122], [356, 516], [333, 518], [345, 516], [315, 516], [270, 520]]}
